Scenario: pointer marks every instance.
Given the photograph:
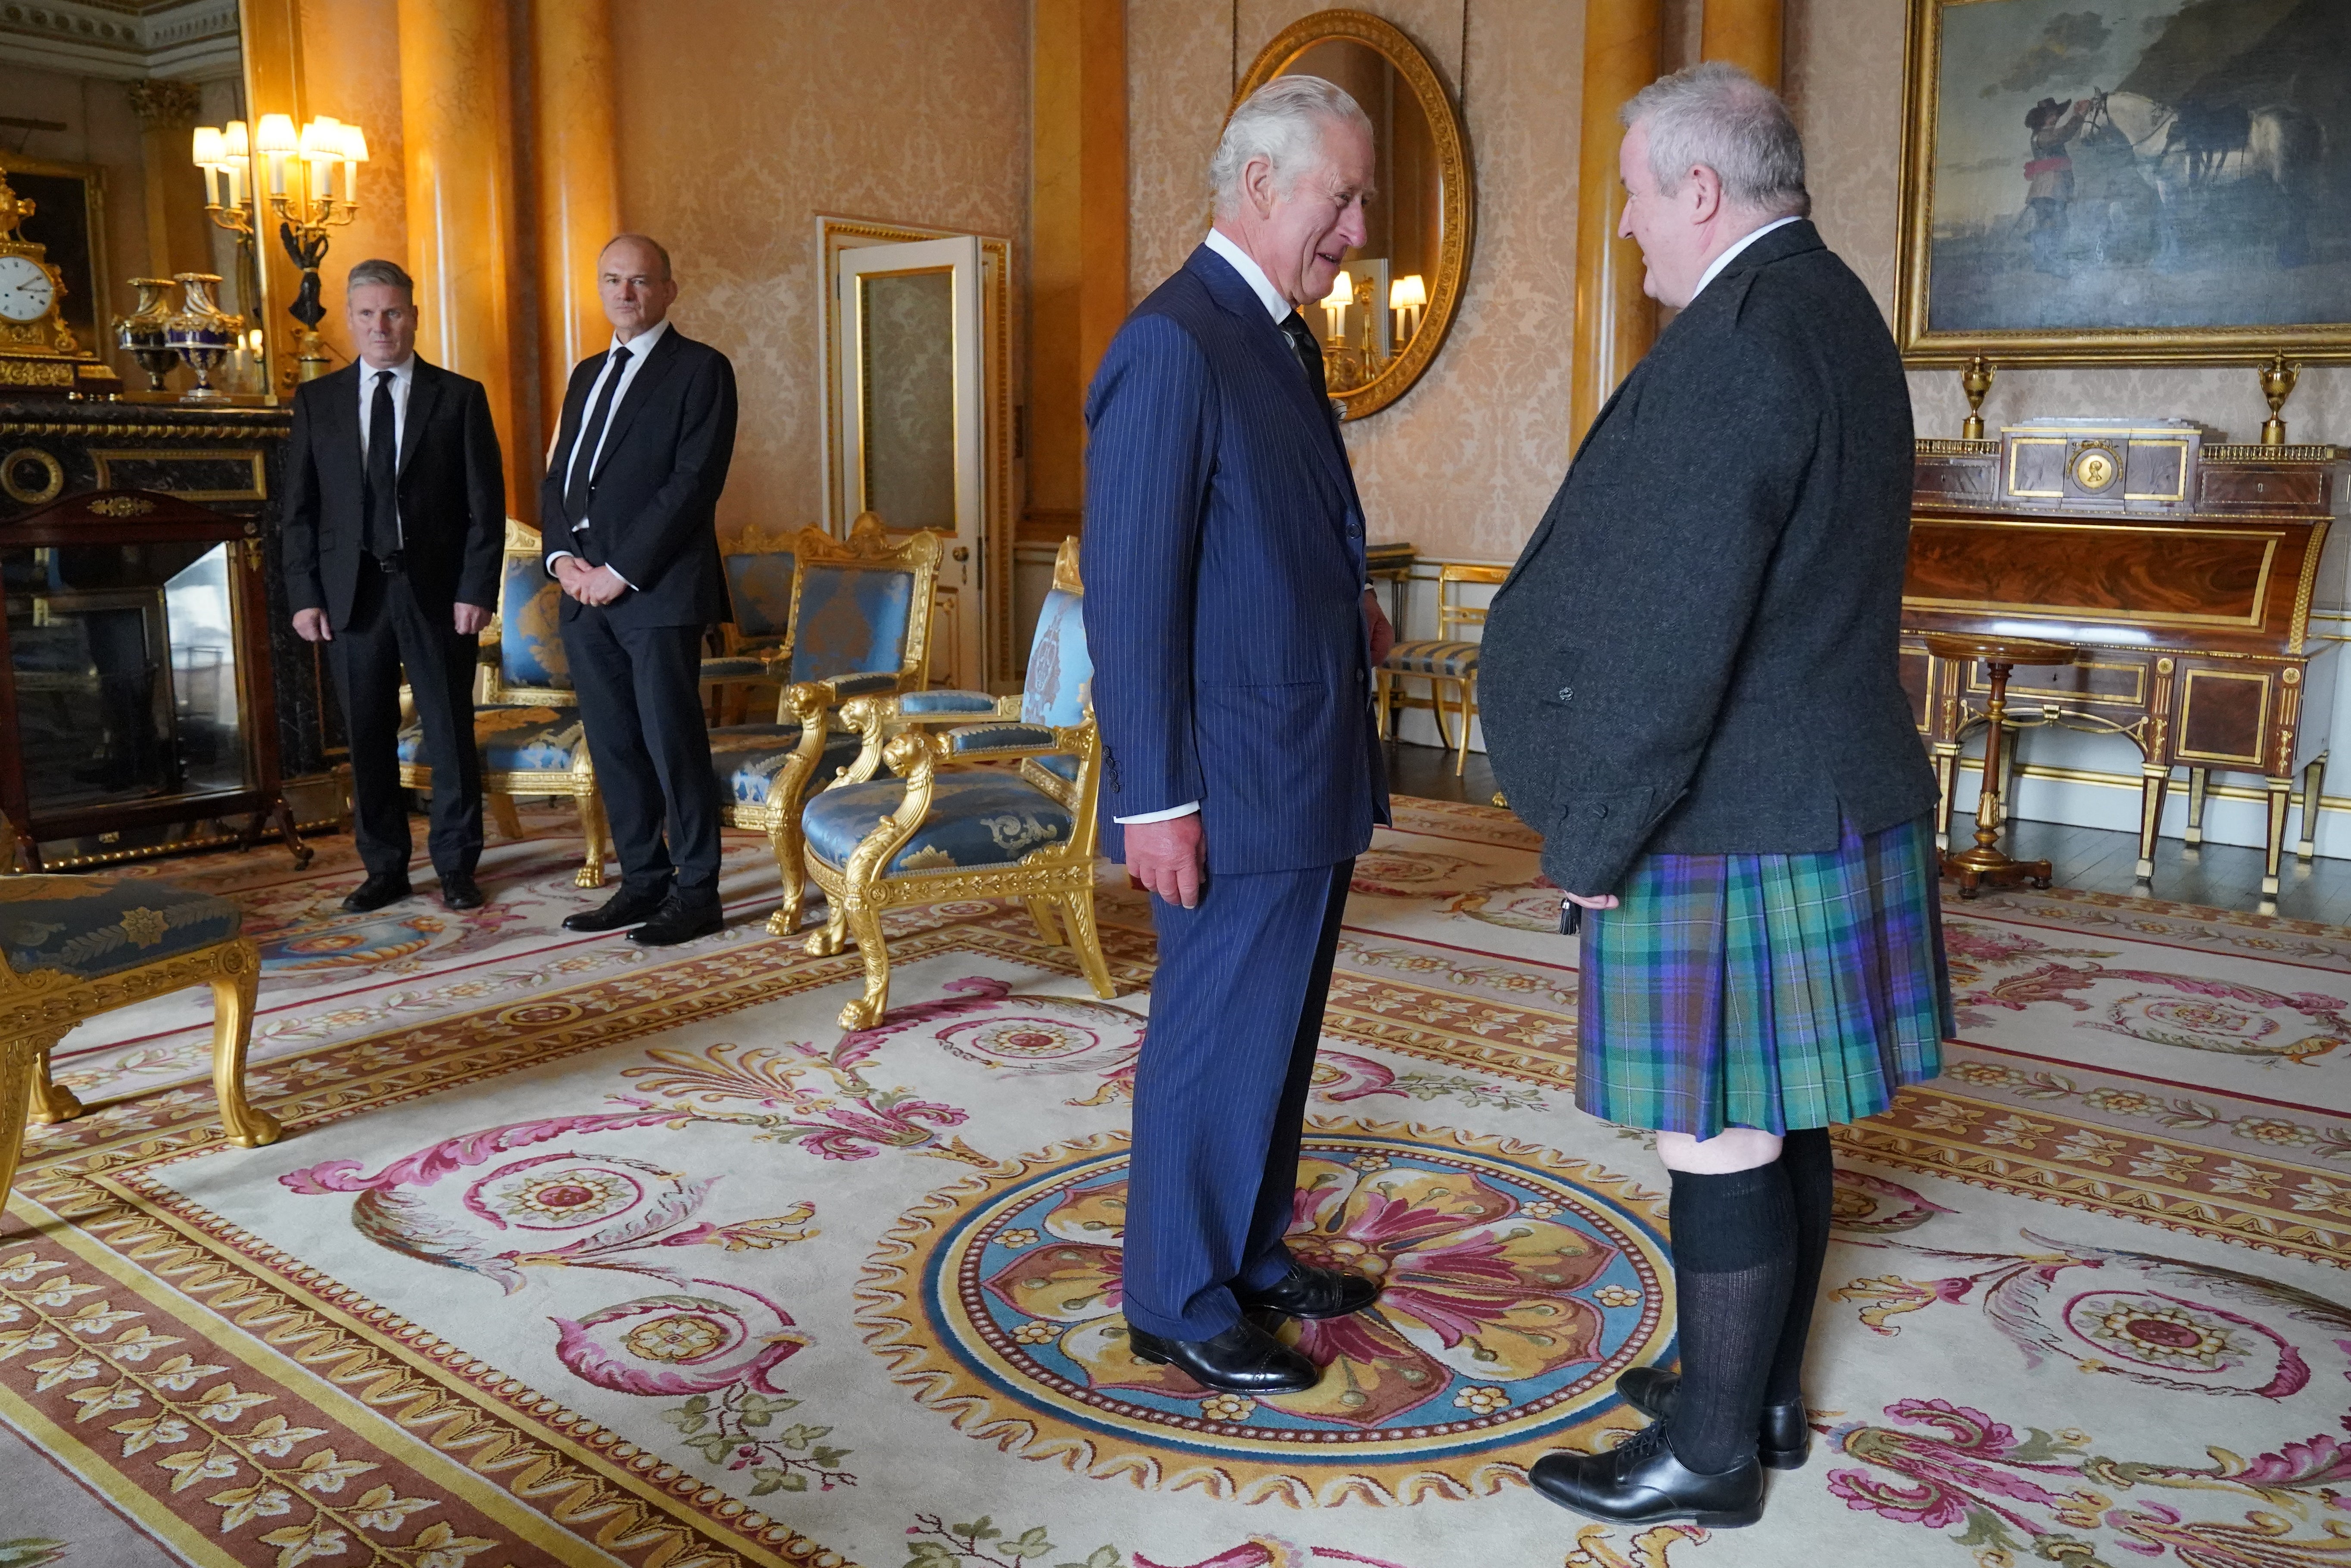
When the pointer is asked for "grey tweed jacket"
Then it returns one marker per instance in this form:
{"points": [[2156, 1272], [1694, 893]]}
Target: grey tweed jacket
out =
{"points": [[1695, 654]]}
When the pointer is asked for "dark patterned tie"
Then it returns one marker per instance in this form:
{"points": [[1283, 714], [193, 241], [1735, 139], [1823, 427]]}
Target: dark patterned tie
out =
{"points": [[381, 539], [591, 436], [1310, 353]]}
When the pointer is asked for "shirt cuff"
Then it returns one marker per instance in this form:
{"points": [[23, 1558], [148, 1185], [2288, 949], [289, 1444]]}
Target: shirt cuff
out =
{"points": [[1170, 815], [560, 554]]}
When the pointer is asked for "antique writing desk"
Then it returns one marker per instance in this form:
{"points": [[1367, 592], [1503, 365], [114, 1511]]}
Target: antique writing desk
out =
{"points": [[2185, 572]]}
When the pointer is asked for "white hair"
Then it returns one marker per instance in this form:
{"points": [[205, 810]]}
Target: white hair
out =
{"points": [[1715, 116], [1281, 122]]}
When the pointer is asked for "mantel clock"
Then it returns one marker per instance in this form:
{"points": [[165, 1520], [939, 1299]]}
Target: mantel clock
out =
{"points": [[38, 352]]}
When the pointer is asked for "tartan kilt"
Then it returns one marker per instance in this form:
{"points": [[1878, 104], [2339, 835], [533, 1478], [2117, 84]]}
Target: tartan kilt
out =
{"points": [[1773, 992]]}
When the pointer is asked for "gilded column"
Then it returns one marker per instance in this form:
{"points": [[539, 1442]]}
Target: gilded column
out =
{"points": [[1614, 321], [1749, 34], [178, 237], [457, 121], [1077, 262], [578, 186]]}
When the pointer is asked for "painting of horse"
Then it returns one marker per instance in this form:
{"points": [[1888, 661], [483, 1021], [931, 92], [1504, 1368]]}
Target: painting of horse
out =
{"points": [[2078, 172]]}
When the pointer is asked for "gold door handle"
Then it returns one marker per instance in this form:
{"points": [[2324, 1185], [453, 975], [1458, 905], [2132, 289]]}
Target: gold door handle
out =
{"points": [[962, 553]]}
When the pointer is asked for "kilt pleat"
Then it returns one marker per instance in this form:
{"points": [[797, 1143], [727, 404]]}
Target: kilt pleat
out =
{"points": [[1773, 992]]}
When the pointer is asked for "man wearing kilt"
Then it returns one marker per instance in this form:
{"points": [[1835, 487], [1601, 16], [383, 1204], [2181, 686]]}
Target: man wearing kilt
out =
{"points": [[1689, 690]]}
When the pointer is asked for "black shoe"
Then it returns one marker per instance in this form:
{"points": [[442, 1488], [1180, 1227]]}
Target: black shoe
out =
{"points": [[1639, 1481], [1244, 1359], [1783, 1443], [378, 889], [626, 907], [460, 892], [1312, 1292], [680, 920]]}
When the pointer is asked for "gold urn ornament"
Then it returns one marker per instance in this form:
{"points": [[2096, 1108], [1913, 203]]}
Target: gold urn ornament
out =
{"points": [[38, 352], [201, 333], [143, 334]]}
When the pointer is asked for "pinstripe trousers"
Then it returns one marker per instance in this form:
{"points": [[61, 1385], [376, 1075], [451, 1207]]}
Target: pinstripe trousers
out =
{"points": [[1220, 1092]]}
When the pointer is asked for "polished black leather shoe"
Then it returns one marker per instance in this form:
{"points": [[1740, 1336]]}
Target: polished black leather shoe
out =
{"points": [[624, 908], [1639, 1481], [1244, 1359], [375, 893], [680, 920], [1783, 1443], [460, 892], [1312, 1292]]}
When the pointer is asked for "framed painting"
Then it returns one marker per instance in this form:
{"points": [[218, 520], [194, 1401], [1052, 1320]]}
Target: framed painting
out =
{"points": [[69, 217], [2133, 181]]}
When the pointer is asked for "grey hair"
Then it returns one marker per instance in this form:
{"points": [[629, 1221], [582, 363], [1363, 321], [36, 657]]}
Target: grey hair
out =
{"points": [[1281, 122], [378, 271], [647, 241], [1715, 116]]}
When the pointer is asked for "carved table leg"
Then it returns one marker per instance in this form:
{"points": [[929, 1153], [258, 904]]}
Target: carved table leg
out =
{"points": [[1946, 784], [1985, 862], [2281, 797], [2154, 780], [247, 1126], [2198, 781], [2314, 782], [52, 1101]]}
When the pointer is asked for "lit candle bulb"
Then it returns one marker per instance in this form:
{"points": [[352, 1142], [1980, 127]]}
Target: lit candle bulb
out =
{"points": [[1335, 304], [210, 153]]}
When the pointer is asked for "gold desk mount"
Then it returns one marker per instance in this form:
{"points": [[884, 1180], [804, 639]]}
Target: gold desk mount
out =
{"points": [[1976, 381], [2277, 385]]}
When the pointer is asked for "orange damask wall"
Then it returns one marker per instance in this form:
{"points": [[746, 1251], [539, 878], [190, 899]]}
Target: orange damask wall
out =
{"points": [[1464, 464], [740, 120]]}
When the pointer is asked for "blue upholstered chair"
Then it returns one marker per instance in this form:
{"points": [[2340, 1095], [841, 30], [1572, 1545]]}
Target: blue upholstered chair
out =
{"points": [[759, 582], [74, 947], [527, 726], [856, 624], [1448, 663], [933, 834]]}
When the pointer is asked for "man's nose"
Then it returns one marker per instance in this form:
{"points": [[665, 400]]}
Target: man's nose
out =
{"points": [[1352, 227], [1624, 224]]}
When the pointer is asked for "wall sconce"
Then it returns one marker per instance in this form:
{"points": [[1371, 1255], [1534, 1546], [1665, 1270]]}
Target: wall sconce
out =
{"points": [[314, 182], [1334, 305], [1408, 297]]}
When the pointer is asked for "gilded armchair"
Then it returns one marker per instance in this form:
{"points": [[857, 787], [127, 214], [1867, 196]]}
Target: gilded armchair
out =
{"points": [[1446, 661], [933, 835], [757, 643], [529, 730], [75, 947], [857, 625]]}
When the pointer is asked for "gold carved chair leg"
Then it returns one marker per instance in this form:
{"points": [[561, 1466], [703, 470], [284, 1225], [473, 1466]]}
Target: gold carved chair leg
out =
{"points": [[19, 1063], [233, 987], [1085, 940], [1042, 911], [1380, 690], [2314, 782], [2198, 781], [52, 1101], [1468, 712], [502, 812], [598, 833]]}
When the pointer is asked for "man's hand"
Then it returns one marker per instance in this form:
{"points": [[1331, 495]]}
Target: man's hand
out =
{"points": [[1383, 634], [310, 626], [1169, 858], [1591, 901], [601, 586], [470, 618], [571, 574]]}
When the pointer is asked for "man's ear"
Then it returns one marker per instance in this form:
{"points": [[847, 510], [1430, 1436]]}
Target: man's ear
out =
{"points": [[1705, 192], [1257, 183]]}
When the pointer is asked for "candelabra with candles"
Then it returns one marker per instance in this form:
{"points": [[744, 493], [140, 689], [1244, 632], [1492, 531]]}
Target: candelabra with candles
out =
{"points": [[311, 197]]}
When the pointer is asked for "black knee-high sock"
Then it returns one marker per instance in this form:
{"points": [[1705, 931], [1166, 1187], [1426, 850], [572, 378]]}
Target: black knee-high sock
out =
{"points": [[1734, 1256], [1811, 1184]]}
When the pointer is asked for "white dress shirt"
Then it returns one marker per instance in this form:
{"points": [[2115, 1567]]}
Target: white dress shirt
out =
{"points": [[1279, 309], [640, 350], [402, 375], [1714, 268]]}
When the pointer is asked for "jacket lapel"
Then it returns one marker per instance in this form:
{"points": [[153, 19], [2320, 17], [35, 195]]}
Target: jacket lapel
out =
{"points": [[423, 392], [656, 370], [1271, 347], [338, 391]]}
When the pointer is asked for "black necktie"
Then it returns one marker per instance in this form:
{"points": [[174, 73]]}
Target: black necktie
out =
{"points": [[1310, 353], [382, 540], [591, 436]]}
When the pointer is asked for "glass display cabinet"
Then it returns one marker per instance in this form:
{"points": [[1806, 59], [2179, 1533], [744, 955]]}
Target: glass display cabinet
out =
{"points": [[135, 687]]}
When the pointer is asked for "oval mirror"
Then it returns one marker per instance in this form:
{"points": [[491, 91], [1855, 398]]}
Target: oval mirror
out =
{"points": [[1387, 313]]}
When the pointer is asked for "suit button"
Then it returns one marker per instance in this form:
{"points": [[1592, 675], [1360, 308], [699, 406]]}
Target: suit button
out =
{"points": [[1567, 693], [1599, 811]]}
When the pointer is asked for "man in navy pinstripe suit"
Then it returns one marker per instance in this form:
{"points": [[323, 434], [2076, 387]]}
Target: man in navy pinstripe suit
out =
{"points": [[1234, 634]]}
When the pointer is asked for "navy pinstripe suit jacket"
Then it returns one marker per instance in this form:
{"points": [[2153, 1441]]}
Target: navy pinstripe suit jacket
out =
{"points": [[1224, 569]]}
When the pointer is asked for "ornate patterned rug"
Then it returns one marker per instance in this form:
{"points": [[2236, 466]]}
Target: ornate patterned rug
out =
{"points": [[578, 1255]]}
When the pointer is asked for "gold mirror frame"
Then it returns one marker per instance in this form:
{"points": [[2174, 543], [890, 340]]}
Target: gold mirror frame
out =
{"points": [[1458, 201]]}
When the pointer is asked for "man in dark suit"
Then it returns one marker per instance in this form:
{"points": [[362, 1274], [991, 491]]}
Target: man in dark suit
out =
{"points": [[628, 518], [1689, 689], [1234, 634], [395, 518]]}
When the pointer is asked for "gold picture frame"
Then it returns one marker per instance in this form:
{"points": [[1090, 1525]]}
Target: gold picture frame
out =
{"points": [[2110, 227], [76, 241], [1457, 196]]}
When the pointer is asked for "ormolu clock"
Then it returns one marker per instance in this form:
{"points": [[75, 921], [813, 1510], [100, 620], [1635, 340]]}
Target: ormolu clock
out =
{"points": [[38, 352]]}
